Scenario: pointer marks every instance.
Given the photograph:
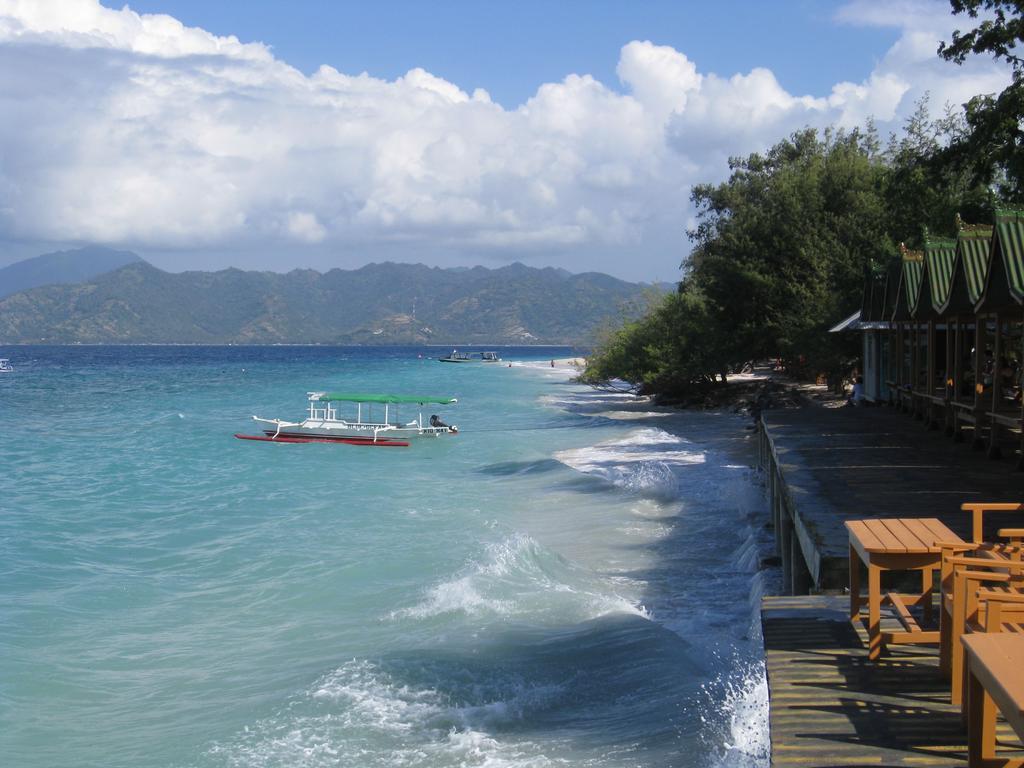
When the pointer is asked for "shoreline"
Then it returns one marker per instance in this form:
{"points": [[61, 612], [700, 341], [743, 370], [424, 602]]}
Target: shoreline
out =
{"points": [[661, 435], [576, 363]]}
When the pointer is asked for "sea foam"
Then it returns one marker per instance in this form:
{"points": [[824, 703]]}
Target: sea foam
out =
{"points": [[518, 577], [645, 462], [362, 714], [719, 498]]}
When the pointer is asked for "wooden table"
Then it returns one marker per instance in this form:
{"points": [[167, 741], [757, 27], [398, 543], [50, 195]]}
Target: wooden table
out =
{"points": [[899, 544], [995, 679]]}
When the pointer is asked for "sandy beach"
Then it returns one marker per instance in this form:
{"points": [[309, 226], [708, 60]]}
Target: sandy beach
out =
{"points": [[578, 363]]}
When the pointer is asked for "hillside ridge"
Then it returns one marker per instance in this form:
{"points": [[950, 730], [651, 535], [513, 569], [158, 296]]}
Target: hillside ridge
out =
{"points": [[62, 267], [380, 303]]}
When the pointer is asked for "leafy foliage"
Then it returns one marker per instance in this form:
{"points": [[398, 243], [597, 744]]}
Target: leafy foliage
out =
{"points": [[665, 351], [991, 145], [780, 251]]}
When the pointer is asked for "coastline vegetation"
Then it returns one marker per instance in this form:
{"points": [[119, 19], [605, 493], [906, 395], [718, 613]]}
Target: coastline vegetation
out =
{"points": [[781, 248]]}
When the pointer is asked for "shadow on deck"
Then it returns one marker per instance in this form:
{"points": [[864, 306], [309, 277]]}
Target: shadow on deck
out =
{"points": [[830, 706]]}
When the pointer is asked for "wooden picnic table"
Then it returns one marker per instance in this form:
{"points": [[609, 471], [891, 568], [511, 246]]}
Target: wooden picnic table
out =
{"points": [[995, 680], [896, 544]]}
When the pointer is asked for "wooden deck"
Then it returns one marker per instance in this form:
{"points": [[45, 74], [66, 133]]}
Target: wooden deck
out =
{"points": [[830, 706], [825, 466]]}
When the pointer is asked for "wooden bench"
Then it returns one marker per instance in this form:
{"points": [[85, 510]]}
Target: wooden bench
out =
{"points": [[963, 413], [995, 673], [977, 583], [963, 572], [934, 403], [1012, 421], [904, 397], [898, 544]]}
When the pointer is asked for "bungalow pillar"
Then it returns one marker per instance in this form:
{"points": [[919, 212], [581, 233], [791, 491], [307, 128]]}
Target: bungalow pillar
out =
{"points": [[915, 372], [929, 414], [947, 377], [997, 389], [979, 377]]}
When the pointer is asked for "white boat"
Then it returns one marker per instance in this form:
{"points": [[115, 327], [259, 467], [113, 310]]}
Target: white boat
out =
{"points": [[470, 357], [324, 424], [5, 365]]}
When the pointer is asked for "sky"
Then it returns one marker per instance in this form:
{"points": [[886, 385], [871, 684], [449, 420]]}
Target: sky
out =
{"points": [[319, 134]]}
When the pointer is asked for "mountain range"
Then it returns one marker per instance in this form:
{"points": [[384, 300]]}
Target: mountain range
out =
{"points": [[385, 303], [62, 267]]}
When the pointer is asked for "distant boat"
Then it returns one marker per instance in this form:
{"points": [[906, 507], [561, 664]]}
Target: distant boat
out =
{"points": [[5, 365], [324, 425], [470, 357]]}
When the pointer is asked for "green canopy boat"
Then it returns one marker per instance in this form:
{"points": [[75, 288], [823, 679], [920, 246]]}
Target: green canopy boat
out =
{"points": [[325, 424], [470, 357]]}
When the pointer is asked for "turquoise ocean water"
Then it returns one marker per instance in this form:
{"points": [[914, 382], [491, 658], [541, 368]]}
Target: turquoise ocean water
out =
{"points": [[569, 581]]}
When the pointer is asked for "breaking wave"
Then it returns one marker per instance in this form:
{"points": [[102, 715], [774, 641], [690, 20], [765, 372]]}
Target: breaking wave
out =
{"points": [[646, 462], [364, 714], [517, 577], [716, 497]]}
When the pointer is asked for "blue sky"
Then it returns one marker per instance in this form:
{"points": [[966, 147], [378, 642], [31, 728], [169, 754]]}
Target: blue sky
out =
{"points": [[204, 135], [511, 48]]}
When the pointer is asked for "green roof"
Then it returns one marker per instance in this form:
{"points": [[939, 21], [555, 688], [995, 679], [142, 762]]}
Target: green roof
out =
{"points": [[975, 247], [1010, 231], [939, 256], [913, 270], [892, 286], [333, 397]]}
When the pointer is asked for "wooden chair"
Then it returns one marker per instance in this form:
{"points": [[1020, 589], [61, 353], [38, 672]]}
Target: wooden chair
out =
{"points": [[978, 584], [978, 563], [1003, 614], [1005, 610], [978, 510], [978, 546]]}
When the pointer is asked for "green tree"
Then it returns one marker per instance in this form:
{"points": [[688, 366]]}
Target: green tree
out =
{"points": [[675, 349], [781, 246], [780, 250], [990, 147]]}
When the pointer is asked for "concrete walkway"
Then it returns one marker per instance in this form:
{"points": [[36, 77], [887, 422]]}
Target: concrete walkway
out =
{"points": [[827, 465]]}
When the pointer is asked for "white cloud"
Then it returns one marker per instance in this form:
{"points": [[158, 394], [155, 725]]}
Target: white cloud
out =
{"points": [[303, 225], [135, 130], [89, 25], [660, 77]]}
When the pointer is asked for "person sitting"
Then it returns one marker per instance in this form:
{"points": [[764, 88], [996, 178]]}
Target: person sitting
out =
{"points": [[436, 422], [857, 397]]}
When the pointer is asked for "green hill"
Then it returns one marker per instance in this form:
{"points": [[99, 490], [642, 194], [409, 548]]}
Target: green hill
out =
{"points": [[379, 303], [62, 267]]}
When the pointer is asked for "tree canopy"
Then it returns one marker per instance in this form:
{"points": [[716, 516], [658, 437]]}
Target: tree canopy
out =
{"points": [[780, 251], [781, 248], [990, 147]]}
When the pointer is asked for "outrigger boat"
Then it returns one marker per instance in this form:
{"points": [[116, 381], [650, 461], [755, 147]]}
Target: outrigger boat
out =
{"points": [[470, 357], [324, 425]]}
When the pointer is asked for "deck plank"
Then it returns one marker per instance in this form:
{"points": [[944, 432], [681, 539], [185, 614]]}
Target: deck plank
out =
{"points": [[830, 706]]}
